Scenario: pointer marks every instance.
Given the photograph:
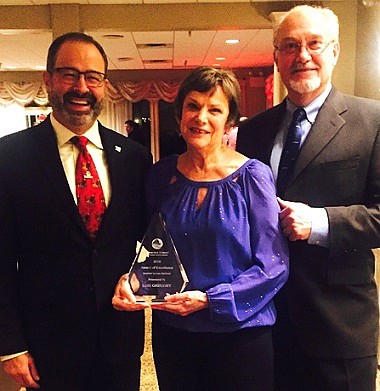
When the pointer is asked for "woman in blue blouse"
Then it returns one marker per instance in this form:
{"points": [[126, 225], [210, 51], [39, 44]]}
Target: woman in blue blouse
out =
{"points": [[220, 208]]}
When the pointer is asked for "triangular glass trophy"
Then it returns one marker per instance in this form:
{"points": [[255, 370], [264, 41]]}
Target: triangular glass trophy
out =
{"points": [[157, 269]]}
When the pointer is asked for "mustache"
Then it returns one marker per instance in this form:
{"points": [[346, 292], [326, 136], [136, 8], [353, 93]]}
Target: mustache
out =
{"points": [[300, 67], [73, 94]]}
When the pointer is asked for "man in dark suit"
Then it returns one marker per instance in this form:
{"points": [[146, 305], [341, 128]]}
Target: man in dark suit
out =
{"points": [[327, 328], [58, 329], [136, 132]]}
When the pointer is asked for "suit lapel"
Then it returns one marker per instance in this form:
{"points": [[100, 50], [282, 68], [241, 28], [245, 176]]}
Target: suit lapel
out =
{"points": [[265, 133], [114, 152], [328, 123], [46, 152], [273, 126], [111, 148]]}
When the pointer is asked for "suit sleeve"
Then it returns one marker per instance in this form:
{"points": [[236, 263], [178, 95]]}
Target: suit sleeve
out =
{"points": [[358, 225], [11, 333]]}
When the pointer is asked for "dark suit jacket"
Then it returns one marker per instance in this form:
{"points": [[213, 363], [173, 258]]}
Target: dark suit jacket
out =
{"points": [[331, 293], [56, 285]]}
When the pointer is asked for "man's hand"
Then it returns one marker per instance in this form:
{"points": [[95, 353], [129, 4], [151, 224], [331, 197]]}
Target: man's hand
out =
{"points": [[295, 220], [183, 303], [22, 370], [124, 299]]}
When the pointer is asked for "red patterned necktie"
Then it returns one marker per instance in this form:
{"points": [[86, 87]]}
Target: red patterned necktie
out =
{"points": [[90, 197]]}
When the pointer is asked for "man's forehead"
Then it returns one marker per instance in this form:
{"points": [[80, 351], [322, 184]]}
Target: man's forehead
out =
{"points": [[299, 25], [72, 53]]}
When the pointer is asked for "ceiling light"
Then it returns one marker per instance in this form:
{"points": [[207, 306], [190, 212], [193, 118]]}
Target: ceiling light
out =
{"points": [[113, 36], [232, 41], [158, 61], [157, 45], [220, 58]]}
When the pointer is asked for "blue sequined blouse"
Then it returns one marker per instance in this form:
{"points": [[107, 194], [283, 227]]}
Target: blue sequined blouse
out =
{"points": [[231, 247]]}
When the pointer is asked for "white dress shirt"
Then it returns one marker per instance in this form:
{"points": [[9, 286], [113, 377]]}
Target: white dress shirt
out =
{"points": [[320, 224], [69, 153]]}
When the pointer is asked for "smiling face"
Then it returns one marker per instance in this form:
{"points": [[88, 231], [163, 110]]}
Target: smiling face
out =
{"points": [[76, 106], [204, 118], [306, 74]]}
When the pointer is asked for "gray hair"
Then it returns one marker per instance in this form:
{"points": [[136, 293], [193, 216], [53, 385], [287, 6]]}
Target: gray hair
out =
{"points": [[332, 20]]}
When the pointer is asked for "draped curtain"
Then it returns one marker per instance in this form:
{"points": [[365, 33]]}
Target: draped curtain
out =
{"points": [[117, 103], [22, 93], [152, 90], [117, 92], [118, 100]]}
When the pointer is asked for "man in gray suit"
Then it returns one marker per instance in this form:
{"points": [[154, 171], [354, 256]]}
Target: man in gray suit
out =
{"points": [[58, 329], [327, 328]]}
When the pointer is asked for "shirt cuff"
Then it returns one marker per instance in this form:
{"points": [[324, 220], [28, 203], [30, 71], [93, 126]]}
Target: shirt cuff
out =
{"points": [[10, 356], [221, 303], [319, 228]]}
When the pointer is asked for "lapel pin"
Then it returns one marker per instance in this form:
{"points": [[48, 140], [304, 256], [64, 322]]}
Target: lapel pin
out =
{"points": [[117, 148]]}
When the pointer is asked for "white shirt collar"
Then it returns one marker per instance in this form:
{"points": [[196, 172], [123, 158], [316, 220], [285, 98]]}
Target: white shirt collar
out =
{"points": [[313, 107], [64, 134]]}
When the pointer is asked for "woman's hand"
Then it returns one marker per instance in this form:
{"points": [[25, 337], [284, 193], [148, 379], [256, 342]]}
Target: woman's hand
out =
{"points": [[124, 299], [183, 303]]}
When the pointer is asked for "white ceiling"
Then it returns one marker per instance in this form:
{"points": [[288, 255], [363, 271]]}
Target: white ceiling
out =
{"points": [[25, 50], [43, 2], [188, 49]]}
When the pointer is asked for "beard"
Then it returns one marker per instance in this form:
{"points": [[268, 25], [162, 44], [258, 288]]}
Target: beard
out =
{"points": [[305, 86], [72, 117]]}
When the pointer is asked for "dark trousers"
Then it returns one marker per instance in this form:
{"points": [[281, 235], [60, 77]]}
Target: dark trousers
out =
{"points": [[186, 361], [97, 374], [296, 371]]}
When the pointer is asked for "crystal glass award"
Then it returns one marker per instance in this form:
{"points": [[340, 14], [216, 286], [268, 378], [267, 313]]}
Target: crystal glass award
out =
{"points": [[157, 269]]}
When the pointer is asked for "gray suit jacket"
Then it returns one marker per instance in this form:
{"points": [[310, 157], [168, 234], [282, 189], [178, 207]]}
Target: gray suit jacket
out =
{"points": [[56, 285], [331, 296]]}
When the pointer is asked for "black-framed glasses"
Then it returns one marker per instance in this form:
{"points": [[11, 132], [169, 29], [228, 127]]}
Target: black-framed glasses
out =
{"points": [[313, 47], [71, 76]]}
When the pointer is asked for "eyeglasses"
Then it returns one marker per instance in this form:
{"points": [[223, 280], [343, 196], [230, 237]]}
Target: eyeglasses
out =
{"points": [[313, 47], [71, 76]]}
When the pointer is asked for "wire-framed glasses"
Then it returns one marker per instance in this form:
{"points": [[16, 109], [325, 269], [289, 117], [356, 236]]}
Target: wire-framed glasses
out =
{"points": [[313, 47]]}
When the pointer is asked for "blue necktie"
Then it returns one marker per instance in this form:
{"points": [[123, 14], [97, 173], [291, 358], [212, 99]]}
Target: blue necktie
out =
{"points": [[291, 150]]}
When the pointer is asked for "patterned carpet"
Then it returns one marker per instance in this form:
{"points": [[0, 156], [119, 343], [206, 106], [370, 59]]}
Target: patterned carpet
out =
{"points": [[148, 373]]}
